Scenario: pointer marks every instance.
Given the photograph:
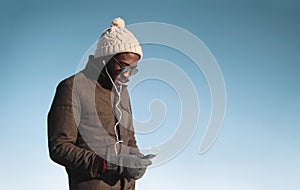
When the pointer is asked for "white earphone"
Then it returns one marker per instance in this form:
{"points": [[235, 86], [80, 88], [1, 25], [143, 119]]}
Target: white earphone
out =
{"points": [[117, 104]]}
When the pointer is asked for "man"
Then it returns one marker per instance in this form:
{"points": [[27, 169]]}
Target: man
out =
{"points": [[90, 129]]}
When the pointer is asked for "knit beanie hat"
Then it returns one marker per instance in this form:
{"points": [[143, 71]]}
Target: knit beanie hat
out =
{"points": [[117, 39]]}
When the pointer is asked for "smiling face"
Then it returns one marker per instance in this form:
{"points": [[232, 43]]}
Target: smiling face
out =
{"points": [[121, 66]]}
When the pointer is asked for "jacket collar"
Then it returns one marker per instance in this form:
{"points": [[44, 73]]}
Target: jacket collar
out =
{"points": [[92, 71]]}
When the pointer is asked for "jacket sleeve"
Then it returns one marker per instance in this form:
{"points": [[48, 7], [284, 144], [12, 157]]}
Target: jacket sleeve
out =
{"points": [[132, 140], [63, 119]]}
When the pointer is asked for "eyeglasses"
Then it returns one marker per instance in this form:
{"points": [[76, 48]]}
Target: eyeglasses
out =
{"points": [[132, 70]]}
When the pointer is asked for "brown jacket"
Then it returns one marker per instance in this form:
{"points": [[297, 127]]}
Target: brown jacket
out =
{"points": [[81, 128]]}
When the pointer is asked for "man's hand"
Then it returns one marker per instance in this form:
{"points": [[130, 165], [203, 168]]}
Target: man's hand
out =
{"points": [[134, 167], [128, 166]]}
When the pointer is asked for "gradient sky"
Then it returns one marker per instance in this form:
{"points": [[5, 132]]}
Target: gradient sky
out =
{"points": [[256, 44]]}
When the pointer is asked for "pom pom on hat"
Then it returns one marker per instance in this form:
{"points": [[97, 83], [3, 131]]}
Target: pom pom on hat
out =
{"points": [[117, 39], [118, 22]]}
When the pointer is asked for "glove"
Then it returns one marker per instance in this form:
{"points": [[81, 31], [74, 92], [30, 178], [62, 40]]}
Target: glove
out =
{"points": [[128, 166], [135, 167], [109, 170]]}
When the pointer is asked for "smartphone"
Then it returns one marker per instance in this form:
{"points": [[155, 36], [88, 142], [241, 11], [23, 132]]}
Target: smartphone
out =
{"points": [[149, 156]]}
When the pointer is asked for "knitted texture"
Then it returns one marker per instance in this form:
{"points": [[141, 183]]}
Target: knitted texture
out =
{"points": [[117, 39]]}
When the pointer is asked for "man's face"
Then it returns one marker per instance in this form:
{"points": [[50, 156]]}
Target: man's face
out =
{"points": [[118, 63]]}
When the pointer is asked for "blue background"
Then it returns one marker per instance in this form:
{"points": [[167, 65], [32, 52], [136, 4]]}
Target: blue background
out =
{"points": [[256, 44]]}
